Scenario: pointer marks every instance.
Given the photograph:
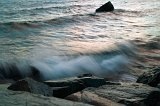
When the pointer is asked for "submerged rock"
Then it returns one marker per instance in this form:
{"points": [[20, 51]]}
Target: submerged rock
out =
{"points": [[65, 87], [32, 86], [151, 77], [21, 98], [130, 94], [106, 7]]}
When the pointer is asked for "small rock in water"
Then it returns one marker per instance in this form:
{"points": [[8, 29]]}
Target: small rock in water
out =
{"points": [[106, 7]]}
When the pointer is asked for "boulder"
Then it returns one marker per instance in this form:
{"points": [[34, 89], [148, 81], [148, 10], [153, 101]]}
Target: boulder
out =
{"points": [[32, 86], [93, 99], [62, 92], [65, 87], [151, 77], [106, 7], [85, 81], [130, 94], [21, 98]]}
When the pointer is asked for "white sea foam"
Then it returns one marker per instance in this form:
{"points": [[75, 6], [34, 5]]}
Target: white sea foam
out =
{"points": [[104, 64]]}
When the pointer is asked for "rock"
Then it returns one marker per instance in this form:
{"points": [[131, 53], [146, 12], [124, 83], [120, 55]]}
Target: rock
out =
{"points": [[130, 94], [32, 86], [85, 81], [93, 99], [21, 98], [151, 77], [65, 87], [106, 7], [62, 92]]}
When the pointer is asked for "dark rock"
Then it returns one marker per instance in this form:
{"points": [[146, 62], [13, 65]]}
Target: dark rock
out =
{"points": [[130, 94], [86, 81], [32, 86], [62, 92], [21, 98], [106, 7], [151, 77], [93, 81], [65, 87]]}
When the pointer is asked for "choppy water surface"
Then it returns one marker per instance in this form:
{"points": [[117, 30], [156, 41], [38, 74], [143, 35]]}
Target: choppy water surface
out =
{"points": [[63, 32]]}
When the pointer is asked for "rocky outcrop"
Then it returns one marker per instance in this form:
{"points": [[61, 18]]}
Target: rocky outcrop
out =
{"points": [[65, 87], [106, 7], [151, 77], [130, 94], [32, 86], [57, 88], [21, 98]]}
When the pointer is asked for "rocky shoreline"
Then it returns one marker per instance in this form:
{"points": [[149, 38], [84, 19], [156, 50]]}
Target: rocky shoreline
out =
{"points": [[87, 90], [83, 91]]}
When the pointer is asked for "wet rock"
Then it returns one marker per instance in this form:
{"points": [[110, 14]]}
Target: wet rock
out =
{"points": [[85, 81], [130, 94], [151, 77], [32, 86], [106, 7], [65, 87], [93, 99], [62, 92], [21, 98]]}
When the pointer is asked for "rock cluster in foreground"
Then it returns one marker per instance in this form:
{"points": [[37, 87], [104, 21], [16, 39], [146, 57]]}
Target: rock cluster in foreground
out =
{"points": [[87, 90], [21, 98], [130, 94]]}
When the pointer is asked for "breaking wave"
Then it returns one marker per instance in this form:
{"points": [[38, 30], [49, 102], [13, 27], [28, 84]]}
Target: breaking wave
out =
{"points": [[102, 64]]}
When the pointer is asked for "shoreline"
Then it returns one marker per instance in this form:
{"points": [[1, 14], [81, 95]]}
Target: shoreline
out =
{"points": [[77, 87]]}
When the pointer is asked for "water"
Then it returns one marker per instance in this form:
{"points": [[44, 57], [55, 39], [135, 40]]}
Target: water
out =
{"points": [[66, 37]]}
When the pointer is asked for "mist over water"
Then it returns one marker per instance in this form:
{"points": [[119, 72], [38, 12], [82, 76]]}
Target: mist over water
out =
{"points": [[66, 38], [105, 64]]}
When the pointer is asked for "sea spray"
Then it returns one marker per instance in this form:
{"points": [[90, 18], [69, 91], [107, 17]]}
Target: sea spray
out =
{"points": [[109, 64]]}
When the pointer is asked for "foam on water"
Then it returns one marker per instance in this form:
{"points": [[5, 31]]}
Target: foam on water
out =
{"points": [[107, 65]]}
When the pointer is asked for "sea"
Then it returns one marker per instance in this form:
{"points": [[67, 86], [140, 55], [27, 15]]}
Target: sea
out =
{"points": [[67, 38]]}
